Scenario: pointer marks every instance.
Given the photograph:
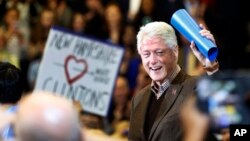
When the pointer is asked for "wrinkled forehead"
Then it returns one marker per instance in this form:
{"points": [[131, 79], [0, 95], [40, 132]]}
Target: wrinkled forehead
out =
{"points": [[150, 41]]}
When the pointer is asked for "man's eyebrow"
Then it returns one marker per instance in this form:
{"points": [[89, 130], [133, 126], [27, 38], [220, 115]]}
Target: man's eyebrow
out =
{"points": [[145, 51]]}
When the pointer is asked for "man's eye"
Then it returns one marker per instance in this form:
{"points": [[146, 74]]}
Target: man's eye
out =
{"points": [[159, 53], [146, 55]]}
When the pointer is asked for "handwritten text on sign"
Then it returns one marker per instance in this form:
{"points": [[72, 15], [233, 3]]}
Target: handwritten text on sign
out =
{"points": [[79, 68]]}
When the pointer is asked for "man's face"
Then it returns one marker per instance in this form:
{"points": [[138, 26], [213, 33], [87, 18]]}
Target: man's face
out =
{"points": [[158, 60]]}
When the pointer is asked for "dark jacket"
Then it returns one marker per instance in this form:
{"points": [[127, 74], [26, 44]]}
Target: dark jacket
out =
{"points": [[167, 124]]}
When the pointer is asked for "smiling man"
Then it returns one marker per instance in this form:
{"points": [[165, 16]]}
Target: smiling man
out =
{"points": [[155, 109]]}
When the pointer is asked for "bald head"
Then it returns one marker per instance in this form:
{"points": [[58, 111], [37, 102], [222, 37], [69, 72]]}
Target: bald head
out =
{"points": [[46, 117]]}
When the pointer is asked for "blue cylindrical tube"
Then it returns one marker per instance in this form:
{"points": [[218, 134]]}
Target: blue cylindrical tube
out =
{"points": [[186, 25]]}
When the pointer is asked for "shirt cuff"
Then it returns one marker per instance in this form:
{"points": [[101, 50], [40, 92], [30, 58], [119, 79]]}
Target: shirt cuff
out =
{"points": [[213, 68]]}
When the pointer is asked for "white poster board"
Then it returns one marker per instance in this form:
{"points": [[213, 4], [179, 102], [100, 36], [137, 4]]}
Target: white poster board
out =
{"points": [[79, 68]]}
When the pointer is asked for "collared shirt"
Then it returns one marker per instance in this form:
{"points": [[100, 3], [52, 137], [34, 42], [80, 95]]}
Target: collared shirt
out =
{"points": [[159, 90], [8, 132]]}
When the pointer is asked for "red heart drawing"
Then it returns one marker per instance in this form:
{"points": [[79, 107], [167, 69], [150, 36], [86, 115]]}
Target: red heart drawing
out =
{"points": [[72, 79]]}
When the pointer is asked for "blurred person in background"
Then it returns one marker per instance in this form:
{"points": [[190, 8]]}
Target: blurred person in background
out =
{"points": [[11, 91], [5, 55], [194, 123], [119, 102], [145, 14], [78, 23], [34, 64], [114, 22], [142, 80], [38, 39], [5, 120], [129, 44], [41, 29], [15, 41], [63, 14], [95, 23], [56, 120], [62, 11]]}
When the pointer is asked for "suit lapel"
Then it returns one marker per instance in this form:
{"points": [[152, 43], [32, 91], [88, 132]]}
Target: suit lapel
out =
{"points": [[169, 99], [142, 110]]}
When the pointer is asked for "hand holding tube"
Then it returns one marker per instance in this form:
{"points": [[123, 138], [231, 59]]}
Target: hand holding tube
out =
{"points": [[210, 66], [202, 38]]}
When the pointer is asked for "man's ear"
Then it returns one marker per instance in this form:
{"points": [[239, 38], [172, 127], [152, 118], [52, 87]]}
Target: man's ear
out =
{"points": [[176, 51], [177, 47]]}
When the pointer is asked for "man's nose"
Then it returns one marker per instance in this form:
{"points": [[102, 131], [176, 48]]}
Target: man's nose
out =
{"points": [[153, 59]]}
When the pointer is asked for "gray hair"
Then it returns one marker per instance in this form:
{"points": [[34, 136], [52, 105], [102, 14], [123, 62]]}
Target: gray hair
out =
{"points": [[160, 30]]}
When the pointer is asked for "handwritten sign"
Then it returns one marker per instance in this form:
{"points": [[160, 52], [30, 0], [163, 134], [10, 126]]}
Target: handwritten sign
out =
{"points": [[79, 68]]}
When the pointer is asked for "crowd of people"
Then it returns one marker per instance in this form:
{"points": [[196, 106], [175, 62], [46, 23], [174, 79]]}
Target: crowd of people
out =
{"points": [[155, 65], [24, 27]]}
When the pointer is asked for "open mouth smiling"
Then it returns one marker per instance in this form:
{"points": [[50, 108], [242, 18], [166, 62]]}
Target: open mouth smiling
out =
{"points": [[155, 68]]}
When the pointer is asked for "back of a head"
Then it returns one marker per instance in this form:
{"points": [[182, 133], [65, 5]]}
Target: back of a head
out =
{"points": [[11, 87], [46, 117]]}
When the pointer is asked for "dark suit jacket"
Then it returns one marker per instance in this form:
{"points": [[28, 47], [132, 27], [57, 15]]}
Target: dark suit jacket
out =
{"points": [[167, 124]]}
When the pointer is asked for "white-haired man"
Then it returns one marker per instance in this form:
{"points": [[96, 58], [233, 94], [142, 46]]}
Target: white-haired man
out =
{"points": [[155, 109]]}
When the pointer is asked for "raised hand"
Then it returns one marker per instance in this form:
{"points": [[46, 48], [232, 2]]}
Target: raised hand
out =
{"points": [[209, 66]]}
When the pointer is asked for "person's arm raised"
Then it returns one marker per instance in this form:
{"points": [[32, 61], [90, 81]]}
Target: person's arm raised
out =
{"points": [[208, 66]]}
